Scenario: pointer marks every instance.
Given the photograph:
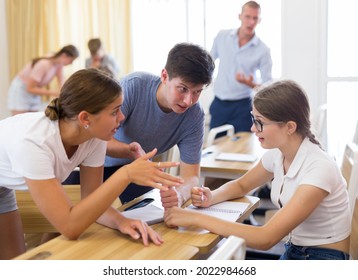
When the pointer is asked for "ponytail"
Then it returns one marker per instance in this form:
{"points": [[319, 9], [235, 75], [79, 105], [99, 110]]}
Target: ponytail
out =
{"points": [[53, 110], [313, 139]]}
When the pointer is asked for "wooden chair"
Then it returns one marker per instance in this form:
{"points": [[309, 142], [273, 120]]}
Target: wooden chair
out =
{"points": [[354, 233], [233, 248], [32, 219], [349, 170], [34, 223]]}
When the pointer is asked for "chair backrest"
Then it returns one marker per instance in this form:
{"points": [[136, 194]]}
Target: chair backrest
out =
{"points": [[355, 137], [319, 124], [32, 219], [354, 234], [228, 128], [233, 248], [350, 171]]}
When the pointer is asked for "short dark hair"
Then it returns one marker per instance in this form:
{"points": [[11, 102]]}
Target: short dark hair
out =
{"points": [[90, 90], [251, 4], [191, 63], [94, 45]]}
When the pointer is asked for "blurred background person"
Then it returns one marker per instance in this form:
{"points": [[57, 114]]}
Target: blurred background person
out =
{"points": [[30, 84], [241, 54], [100, 60]]}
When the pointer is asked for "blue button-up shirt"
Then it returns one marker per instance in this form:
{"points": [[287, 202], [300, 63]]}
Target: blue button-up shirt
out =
{"points": [[252, 57]]}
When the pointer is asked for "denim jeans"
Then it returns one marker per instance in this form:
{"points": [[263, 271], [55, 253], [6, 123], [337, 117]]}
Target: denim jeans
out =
{"points": [[294, 252]]}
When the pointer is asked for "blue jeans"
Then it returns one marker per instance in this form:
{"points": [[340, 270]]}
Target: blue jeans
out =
{"points": [[294, 252]]}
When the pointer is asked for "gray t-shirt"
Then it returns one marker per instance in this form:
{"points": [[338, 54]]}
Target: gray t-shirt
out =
{"points": [[148, 125]]}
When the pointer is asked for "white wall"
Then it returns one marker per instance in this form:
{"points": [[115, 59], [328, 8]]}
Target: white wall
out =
{"points": [[302, 23], [303, 50], [4, 65]]}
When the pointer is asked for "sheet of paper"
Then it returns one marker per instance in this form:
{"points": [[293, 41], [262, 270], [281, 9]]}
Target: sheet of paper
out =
{"points": [[236, 157], [227, 210]]}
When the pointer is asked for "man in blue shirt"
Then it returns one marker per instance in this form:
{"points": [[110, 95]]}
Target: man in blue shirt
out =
{"points": [[241, 54], [161, 112]]}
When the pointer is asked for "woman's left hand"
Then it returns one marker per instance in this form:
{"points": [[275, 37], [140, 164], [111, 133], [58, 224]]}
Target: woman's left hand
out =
{"points": [[139, 229]]}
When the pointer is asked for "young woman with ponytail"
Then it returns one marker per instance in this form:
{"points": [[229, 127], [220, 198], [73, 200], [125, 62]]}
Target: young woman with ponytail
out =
{"points": [[39, 150], [31, 82]]}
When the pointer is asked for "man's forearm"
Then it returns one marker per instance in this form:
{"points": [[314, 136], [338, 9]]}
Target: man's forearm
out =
{"points": [[118, 149]]}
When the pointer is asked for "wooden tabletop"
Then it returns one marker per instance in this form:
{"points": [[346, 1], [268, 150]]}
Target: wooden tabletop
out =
{"points": [[242, 142], [102, 243], [204, 242]]}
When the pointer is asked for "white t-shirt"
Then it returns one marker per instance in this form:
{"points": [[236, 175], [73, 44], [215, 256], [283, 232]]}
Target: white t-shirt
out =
{"points": [[330, 221], [31, 147]]}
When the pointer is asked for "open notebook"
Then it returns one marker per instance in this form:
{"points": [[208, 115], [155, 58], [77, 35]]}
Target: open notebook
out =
{"points": [[152, 213], [227, 210]]}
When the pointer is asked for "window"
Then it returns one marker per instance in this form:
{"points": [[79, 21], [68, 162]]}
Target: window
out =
{"points": [[157, 25], [342, 75]]}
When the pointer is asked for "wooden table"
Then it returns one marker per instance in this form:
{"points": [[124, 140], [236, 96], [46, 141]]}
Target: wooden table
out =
{"points": [[242, 142], [99, 242]]}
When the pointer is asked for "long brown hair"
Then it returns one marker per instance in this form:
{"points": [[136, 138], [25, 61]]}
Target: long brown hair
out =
{"points": [[69, 50], [88, 90], [285, 101]]}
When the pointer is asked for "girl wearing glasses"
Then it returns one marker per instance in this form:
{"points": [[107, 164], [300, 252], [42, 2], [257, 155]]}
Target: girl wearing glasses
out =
{"points": [[307, 185]]}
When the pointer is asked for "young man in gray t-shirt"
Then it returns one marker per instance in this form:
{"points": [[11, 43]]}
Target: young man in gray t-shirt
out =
{"points": [[162, 112]]}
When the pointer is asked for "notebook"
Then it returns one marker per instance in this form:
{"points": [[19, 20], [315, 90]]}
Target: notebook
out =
{"points": [[151, 213], [236, 157], [227, 210]]}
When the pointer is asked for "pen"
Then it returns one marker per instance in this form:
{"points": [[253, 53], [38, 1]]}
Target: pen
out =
{"points": [[202, 194]]}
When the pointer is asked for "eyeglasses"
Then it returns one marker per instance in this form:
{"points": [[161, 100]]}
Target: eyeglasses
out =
{"points": [[259, 124]]}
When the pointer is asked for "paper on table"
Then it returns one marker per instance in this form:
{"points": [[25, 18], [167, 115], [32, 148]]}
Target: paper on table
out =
{"points": [[150, 213], [227, 210], [236, 157]]}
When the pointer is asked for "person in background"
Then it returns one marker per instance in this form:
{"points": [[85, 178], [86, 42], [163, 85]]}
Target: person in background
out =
{"points": [[99, 59], [307, 187], [241, 54], [39, 150], [163, 111], [30, 83]]}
